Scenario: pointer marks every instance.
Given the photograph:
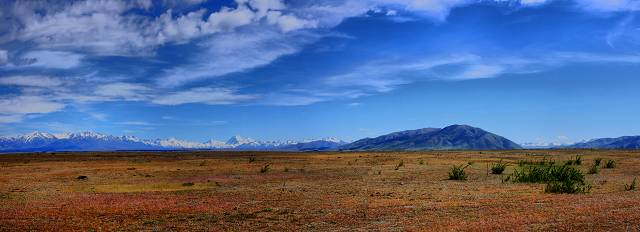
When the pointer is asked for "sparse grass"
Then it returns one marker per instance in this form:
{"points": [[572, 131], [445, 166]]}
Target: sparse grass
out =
{"points": [[265, 168], [610, 164], [498, 168], [458, 173], [632, 186]]}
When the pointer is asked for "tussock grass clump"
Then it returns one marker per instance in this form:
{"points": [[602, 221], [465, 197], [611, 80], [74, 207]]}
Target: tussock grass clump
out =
{"points": [[593, 169], [567, 187], [631, 186], [399, 165], [559, 179], [265, 168], [421, 162], [610, 164], [458, 173], [575, 161], [252, 159], [544, 161], [498, 168], [188, 184], [597, 161]]}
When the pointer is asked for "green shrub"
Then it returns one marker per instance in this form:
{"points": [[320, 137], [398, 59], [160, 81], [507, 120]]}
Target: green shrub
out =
{"points": [[632, 186], [498, 168], [593, 170], [188, 184], [457, 172], [252, 159], [597, 161], [559, 179], [610, 164]]}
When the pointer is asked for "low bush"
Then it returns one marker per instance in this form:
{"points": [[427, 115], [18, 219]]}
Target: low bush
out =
{"points": [[593, 170], [188, 184], [610, 164], [458, 173], [252, 159], [498, 168]]}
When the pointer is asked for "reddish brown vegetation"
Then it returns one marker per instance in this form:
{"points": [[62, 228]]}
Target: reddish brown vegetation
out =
{"points": [[323, 191]]}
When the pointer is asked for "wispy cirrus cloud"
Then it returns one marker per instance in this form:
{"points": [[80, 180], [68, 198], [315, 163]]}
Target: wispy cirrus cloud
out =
{"points": [[204, 95]]}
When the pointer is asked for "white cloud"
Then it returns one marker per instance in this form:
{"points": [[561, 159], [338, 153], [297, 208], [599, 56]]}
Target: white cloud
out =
{"points": [[205, 95], [481, 71], [14, 109], [30, 81], [136, 123], [52, 59], [609, 5], [533, 2], [235, 52]]}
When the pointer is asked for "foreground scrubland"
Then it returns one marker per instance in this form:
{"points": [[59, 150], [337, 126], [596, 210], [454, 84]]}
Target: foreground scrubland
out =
{"points": [[244, 191]]}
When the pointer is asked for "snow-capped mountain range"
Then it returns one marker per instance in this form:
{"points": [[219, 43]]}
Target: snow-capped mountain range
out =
{"points": [[91, 141]]}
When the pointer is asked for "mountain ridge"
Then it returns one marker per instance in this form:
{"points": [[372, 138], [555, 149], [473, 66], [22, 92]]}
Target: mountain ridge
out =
{"points": [[454, 137]]}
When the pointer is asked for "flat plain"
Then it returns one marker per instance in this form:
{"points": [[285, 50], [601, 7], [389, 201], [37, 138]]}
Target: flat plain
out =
{"points": [[332, 191]]}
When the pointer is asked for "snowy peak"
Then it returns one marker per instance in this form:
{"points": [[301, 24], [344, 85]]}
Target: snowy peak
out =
{"points": [[37, 135], [238, 140], [92, 141]]}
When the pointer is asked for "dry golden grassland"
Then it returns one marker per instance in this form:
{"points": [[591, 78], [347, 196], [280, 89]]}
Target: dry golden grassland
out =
{"points": [[366, 191]]}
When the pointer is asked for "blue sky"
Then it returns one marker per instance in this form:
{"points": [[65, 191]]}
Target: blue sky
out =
{"points": [[530, 70]]}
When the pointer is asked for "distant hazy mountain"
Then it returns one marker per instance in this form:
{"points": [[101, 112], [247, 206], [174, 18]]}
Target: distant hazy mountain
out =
{"points": [[625, 142], [542, 145], [90, 141], [452, 137]]}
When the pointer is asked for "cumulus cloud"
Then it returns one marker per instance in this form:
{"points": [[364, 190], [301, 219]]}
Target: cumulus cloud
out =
{"points": [[205, 95]]}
